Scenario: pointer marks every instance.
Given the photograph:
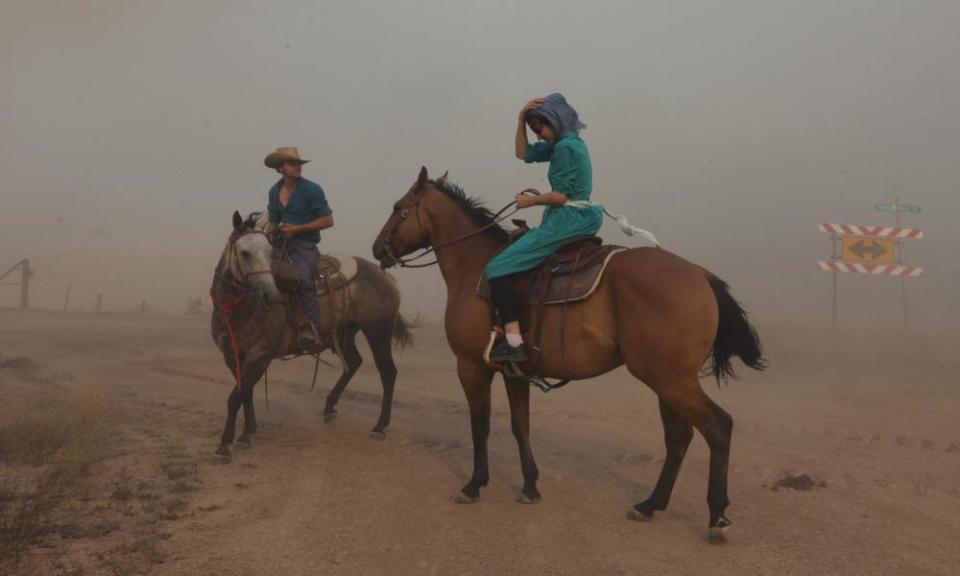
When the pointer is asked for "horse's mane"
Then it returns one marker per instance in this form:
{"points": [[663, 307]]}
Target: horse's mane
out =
{"points": [[478, 214]]}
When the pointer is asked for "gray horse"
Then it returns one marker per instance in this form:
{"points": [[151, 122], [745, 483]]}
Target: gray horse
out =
{"points": [[252, 326]]}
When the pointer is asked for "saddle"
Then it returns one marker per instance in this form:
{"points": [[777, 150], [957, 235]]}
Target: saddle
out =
{"points": [[570, 275], [334, 273]]}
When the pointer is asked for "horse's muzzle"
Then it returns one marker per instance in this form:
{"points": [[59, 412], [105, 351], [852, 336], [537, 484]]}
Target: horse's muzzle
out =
{"points": [[384, 255]]}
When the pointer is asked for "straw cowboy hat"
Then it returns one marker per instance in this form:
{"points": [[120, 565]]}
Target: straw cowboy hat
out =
{"points": [[283, 155]]}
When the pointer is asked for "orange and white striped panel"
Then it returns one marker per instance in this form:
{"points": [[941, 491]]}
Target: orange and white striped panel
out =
{"points": [[876, 269], [872, 231]]}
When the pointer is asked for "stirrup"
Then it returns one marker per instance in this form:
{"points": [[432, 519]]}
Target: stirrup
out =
{"points": [[307, 340], [542, 383]]}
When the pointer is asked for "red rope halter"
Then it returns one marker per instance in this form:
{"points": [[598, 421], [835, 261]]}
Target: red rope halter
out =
{"points": [[227, 309]]}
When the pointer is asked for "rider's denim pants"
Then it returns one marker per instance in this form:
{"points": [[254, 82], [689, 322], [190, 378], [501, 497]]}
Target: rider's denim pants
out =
{"points": [[304, 254]]}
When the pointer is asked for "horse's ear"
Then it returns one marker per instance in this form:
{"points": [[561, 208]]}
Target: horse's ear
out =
{"points": [[237, 220], [443, 178], [422, 178]]}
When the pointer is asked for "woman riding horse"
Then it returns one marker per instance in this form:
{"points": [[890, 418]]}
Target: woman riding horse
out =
{"points": [[557, 126]]}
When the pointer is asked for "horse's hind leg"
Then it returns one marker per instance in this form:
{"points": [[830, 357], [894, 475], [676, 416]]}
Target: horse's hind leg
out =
{"points": [[518, 392], [677, 435], [351, 363], [687, 399], [380, 339], [475, 379]]}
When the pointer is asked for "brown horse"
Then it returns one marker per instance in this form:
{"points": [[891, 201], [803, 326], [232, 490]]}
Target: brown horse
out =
{"points": [[244, 290], [660, 315]]}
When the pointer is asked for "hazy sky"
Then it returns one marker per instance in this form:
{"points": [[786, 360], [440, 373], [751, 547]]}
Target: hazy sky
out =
{"points": [[133, 129]]}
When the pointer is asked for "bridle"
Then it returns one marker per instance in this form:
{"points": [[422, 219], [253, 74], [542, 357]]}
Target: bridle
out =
{"points": [[415, 206], [230, 303], [239, 277]]}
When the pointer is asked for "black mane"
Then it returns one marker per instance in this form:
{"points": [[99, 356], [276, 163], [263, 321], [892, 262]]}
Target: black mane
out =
{"points": [[478, 214]]}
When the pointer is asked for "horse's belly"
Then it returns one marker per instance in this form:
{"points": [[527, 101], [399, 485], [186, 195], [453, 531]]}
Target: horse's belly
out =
{"points": [[579, 342]]}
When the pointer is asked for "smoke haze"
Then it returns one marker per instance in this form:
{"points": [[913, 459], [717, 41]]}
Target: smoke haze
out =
{"points": [[133, 129]]}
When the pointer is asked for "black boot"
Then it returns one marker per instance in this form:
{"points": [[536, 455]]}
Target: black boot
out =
{"points": [[307, 339], [504, 352]]}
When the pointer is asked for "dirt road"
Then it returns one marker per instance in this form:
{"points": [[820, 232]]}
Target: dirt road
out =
{"points": [[871, 419]]}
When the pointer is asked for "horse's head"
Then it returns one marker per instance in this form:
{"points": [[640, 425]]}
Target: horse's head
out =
{"points": [[248, 257], [408, 227]]}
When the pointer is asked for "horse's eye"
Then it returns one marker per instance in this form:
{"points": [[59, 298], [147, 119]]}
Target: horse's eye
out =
{"points": [[245, 253]]}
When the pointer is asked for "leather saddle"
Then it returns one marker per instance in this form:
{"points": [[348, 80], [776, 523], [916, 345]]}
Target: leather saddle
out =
{"points": [[334, 271], [570, 275]]}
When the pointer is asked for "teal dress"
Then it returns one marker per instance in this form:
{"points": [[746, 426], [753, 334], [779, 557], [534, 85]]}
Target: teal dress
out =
{"points": [[570, 174]]}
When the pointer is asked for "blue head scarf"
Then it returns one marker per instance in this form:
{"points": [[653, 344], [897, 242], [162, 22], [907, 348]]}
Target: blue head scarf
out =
{"points": [[561, 116]]}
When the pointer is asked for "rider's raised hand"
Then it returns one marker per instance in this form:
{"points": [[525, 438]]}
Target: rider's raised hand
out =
{"points": [[531, 105]]}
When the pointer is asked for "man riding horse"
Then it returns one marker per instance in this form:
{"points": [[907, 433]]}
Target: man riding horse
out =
{"points": [[298, 209]]}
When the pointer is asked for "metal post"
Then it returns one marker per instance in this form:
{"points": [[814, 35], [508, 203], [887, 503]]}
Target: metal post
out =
{"points": [[25, 284], [833, 308], [898, 245], [66, 300], [99, 302]]}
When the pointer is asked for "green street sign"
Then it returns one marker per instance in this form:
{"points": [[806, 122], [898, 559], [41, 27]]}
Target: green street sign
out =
{"points": [[887, 207]]}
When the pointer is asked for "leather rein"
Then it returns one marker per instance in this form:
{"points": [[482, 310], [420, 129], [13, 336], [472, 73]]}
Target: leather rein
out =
{"points": [[234, 302], [406, 262]]}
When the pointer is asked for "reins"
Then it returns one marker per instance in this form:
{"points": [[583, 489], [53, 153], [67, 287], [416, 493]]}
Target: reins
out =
{"points": [[498, 217], [235, 302]]}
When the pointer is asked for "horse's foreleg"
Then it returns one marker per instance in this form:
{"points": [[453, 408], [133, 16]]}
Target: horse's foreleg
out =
{"points": [[475, 379], [250, 373], [351, 363], [518, 392], [249, 416], [229, 430], [381, 344], [677, 435]]}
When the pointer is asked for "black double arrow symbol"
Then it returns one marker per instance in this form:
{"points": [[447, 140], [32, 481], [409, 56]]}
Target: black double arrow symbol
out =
{"points": [[864, 248]]}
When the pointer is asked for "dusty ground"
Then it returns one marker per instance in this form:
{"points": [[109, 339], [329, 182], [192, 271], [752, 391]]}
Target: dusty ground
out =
{"points": [[131, 407]]}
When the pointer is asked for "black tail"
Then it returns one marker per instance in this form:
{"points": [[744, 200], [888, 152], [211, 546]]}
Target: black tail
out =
{"points": [[402, 335], [735, 335]]}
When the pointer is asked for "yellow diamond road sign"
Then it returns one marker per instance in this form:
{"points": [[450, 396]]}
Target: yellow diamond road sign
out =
{"points": [[858, 249]]}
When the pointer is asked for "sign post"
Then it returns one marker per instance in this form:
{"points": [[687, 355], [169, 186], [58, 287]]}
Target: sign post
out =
{"points": [[897, 208], [873, 250]]}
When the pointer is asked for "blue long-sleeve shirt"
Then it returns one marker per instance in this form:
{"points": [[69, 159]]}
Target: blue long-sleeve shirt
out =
{"points": [[307, 203]]}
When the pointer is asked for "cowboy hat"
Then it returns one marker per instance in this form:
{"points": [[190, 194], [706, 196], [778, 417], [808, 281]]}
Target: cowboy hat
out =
{"points": [[282, 156]]}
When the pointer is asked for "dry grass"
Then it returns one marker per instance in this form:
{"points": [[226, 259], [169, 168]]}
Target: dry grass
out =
{"points": [[61, 447]]}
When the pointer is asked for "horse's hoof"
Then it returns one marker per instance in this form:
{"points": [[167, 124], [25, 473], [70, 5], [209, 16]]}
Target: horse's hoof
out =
{"points": [[329, 417], [222, 455], [243, 445], [718, 533], [524, 499], [378, 435], [464, 499], [639, 516]]}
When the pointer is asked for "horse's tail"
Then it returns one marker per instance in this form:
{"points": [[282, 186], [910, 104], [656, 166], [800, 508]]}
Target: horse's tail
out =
{"points": [[402, 331], [735, 335]]}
